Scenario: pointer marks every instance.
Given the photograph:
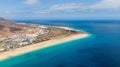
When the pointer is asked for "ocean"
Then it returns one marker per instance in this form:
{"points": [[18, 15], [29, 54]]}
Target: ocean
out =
{"points": [[100, 49]]}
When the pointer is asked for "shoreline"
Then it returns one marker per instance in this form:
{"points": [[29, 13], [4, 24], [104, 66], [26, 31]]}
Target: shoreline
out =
{"points": [[30, 48], [67, 28]]}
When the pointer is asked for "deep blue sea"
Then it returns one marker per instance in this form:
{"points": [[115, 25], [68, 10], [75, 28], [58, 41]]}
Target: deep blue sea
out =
{"points": [[100, 49]]}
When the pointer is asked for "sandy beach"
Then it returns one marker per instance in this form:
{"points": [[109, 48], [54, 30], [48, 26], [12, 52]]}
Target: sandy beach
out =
{"points": [[37, 46]]}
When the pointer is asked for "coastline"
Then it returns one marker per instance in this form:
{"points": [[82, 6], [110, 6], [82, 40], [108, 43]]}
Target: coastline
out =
{"points": [[30, 48]]}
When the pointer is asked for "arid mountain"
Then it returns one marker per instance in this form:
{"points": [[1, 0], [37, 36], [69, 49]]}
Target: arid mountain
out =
{"points": [[8, 27], [6, 22]]}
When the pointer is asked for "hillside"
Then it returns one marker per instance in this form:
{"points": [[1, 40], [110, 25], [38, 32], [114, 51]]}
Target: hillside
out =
{"points": [[8, 27]]}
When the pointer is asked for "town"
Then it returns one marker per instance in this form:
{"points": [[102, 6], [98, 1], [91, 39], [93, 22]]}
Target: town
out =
{"points": [[23, 38], [15, 35], [31, 34]]}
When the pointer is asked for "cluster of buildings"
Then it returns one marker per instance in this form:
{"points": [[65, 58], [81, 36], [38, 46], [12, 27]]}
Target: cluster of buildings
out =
{"points": [[27, 36]]}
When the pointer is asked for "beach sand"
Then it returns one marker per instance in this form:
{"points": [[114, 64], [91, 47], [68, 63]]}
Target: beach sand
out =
{"points": [[37, 46]]}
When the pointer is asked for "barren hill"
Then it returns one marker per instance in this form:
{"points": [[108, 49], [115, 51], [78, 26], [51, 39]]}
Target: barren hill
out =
{"points": [[8, 27]]}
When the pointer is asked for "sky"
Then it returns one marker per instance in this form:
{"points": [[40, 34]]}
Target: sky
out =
{"points": [[60, 9]]}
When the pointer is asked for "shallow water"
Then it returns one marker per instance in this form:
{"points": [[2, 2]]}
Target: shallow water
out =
{"points": [[101, 49]]}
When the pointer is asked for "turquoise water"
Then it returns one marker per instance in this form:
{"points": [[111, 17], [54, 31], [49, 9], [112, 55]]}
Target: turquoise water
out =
{"points": [[101, 49]]}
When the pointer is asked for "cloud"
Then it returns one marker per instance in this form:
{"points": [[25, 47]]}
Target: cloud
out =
{"points": [[73, 7], [64, 7], [106, 4], [30, 2]]}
